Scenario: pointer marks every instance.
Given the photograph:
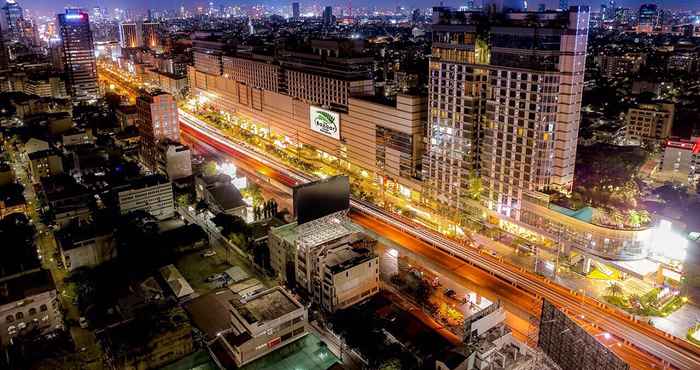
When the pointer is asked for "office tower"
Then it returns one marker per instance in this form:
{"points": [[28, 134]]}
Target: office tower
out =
{"points": [[78, 54], [96, 13], [504, 108], [648, 17], [12, 19], [151, 35], [328, 15], [129, 35], [156, 119], [295, 10]]}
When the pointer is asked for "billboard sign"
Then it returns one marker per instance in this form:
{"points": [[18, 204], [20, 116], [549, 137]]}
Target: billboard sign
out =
{"points": [[321, 198], [325, 122]]}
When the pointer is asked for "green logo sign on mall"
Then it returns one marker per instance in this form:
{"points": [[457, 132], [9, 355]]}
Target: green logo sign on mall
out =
{"points": [[325, 122]]}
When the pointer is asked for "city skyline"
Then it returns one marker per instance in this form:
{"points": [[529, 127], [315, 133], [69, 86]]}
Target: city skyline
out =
{"points": [[408, 188], [47, 7]]}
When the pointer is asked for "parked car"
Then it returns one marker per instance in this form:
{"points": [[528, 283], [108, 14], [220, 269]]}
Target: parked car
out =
{"points": [[215, 277], [209, 253]]}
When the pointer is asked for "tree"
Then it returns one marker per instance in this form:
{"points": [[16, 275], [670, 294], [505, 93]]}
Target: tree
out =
{"points": [[255, 193], [183, 200], [209, 168], [614, 289]]}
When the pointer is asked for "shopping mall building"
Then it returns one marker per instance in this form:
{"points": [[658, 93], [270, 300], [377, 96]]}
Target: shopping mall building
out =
{"points": [[324, 100]]}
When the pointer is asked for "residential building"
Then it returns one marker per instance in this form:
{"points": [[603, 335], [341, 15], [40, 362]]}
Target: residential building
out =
{"points": [[157, 119], [130, 35], [126, 116], [649, 124], [505, 108], [621, 64], [174, 159], [11, 198], [7, 175], [83, 244], [249, 328], [45, 163], [175, 85], [153, 194], [220, 195], [28, 301], [687, 61], [78, 55]]}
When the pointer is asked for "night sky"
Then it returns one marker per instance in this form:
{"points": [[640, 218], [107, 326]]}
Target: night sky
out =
{"points": [[45, 7]]}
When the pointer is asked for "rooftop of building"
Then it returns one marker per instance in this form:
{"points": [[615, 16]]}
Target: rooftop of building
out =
{"points": [[307, 353], [12, 195], [445, 16], [126, 109], [44, 154], [344, 259], [210, 312], [75, 232], [268, 305], [17, 287], [144, 182], [227, 196]]}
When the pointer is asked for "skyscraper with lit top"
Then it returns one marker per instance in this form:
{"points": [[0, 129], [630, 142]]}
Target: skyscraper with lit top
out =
{"points": [[78, 54]]}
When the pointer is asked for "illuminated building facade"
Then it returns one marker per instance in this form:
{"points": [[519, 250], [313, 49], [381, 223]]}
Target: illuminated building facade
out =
{"points": [[129, 35], [152, 36], [78, 54], [504, 106]]}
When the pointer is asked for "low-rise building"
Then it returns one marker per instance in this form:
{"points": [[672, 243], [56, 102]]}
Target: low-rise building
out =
{"points": [[12, 200], [252, 327], [330, 258], [174, 160], [153, 194], [28, 301], [7, 175], [220, 195], [45, 163], [77, 136], [85, 244], [126, 116]]}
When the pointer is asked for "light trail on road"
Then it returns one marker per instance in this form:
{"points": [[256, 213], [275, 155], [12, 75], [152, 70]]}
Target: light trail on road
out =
{"points": [[670, 350]]}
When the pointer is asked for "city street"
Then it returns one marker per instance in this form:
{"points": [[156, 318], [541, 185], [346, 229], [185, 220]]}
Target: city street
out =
{"points": [[88, 349]]}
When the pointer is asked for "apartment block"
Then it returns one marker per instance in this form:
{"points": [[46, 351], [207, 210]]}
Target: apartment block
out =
{"points": [[649, 124], [153, 194]]}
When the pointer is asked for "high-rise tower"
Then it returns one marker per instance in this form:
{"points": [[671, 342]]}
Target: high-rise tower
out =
{"points": [[78, 54], [505, 101]]}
